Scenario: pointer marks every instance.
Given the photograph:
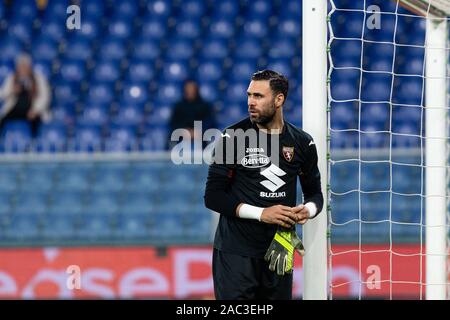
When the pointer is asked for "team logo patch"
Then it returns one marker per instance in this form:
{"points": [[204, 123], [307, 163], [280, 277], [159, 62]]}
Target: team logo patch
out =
{"points": [[288, 153]]}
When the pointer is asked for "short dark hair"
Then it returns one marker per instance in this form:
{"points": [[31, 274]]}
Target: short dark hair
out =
{"points": [[278, 83]]}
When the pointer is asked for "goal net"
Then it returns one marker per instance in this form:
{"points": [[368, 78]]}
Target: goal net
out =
{"points": [[388, 149]]}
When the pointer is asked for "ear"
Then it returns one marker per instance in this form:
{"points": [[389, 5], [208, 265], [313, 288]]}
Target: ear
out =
{"points": [[279, 100]]}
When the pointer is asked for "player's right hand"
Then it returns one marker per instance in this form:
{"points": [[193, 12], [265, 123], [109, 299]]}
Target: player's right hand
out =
{"points": [[279, 214]]}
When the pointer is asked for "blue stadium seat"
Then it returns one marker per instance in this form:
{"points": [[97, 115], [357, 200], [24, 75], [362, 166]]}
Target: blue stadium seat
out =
{"points": [[121, 138], [153, 29], [30, 203], [90, 29], [290, 8], [87, 139], [129, 116], [102, 201], [21, 29], [376, 113], [180, 49], [65, 94], [69, 201], [242, 71], [282, 49], [73, 71], [22, 227], [145, 50], [209, 91], [237, 92], [159, 8], [78, 50], [134, 95], [5, 206], [409, 91], [209, 70], [108, 181], [194, 8], [94, 227], [9, 178], [169, 92], [290, 28], [344, 139], [376, 91], [59, 227], [248, 48], [166, 226], [54, 29], [113, 49], [106, 72], [259, 9], [100, 94], [255, 28], [140, 72], [226, 9], [138, 201], [213, 48], [45, 49], [38, 175], [155, 139], [175, 71], [143, 179], [189, 29], [120, 29], [133, 227], [16, 136], [198, 226], [343, 91], [159, 115], [10, 48], [126, 10], [92, 9], [343, 113], [221, 29]]}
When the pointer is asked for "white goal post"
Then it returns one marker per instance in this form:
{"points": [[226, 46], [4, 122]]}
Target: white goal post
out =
{"points": [[316, 122]]}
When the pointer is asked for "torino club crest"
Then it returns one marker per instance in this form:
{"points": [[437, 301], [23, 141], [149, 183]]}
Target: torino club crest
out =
{"points": [[288, 153]]}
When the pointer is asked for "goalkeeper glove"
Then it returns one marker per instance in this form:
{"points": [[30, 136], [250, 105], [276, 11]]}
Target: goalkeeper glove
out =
{"points": [[280, 254]]}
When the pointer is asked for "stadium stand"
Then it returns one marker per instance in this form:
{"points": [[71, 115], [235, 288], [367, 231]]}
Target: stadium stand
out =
{"points": [[115, 80]]}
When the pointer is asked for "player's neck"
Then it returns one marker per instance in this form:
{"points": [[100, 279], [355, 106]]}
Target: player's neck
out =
{"points": [[273, 127]]}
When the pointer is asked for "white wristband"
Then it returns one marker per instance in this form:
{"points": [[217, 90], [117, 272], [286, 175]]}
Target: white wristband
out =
{"points": [[247, 211], [312, 209]]}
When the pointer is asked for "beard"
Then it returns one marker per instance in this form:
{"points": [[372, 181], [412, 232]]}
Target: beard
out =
{"points": [[265, 116]]}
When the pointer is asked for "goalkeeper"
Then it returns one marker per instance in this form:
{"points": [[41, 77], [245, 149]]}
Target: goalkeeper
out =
{"points": [[255, 190]]}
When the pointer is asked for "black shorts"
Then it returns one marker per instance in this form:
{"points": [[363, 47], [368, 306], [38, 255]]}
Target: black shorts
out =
{"points": [[240, 278]]}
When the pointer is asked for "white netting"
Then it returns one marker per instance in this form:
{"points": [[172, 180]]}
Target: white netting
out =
{"points": [[377, 163]]}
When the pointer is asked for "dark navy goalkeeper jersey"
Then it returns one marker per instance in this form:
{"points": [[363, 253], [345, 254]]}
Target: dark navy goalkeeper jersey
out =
{"points": [[246, 170]]}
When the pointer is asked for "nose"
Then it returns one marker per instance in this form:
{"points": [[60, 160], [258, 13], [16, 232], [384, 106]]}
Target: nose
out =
{"points": [[251, 102]]}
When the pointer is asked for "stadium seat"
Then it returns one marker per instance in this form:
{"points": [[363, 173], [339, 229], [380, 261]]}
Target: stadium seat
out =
{"points": [[153, 29], [188, 29], [69, 201], [57, 227], [22, 227], [213, 48]]}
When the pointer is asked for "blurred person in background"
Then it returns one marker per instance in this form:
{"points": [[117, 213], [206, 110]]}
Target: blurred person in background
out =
{"points": [[25, 95], [192, 108]]}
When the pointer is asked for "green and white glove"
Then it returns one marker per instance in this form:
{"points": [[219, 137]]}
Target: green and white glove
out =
{"points": [[280, 254]]}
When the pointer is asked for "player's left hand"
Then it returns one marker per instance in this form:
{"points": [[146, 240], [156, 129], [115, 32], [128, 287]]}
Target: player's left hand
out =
{"points": [[301, 214]]}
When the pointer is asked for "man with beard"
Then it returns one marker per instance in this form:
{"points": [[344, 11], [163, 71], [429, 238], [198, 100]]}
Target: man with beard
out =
{"points": [[252, 183]]}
